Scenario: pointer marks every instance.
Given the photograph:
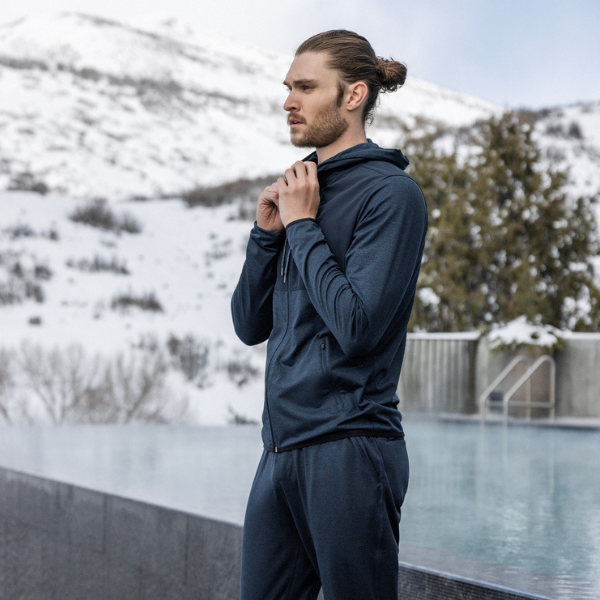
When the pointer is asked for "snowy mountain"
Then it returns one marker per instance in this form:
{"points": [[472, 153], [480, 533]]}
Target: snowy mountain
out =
{"points": [[95, 108]]}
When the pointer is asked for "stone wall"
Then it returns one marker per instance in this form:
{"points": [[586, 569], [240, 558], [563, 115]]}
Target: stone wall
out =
{"points": [[62, 542]]}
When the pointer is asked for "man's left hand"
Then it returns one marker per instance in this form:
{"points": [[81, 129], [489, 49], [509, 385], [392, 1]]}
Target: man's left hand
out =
{"points": [[299, 192]]}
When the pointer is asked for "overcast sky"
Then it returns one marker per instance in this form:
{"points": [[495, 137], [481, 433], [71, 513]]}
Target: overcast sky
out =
{"points": [[517, 53]]}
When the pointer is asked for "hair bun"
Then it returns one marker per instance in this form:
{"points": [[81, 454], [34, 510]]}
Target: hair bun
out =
{"points": [[391, 74]]}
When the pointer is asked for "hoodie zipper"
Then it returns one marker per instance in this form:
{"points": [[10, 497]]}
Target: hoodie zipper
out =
{"points": [[287, 322], [285, 260]]}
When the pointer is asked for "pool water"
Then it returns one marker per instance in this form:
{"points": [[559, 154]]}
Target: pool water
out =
{"points": [[518, 499], [526, 497]]}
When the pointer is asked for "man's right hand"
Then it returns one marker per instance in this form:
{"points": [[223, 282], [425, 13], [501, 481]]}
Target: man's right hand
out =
{"points": [[267, 212]]}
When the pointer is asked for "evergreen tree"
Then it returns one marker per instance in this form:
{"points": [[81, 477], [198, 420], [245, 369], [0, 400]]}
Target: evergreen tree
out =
{"points": [[504, 238]]}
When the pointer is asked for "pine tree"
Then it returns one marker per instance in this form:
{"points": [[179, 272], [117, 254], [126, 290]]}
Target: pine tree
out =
{"points": [[504, 238]]}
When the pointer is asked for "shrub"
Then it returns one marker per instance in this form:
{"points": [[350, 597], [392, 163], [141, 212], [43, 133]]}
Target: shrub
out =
{"points": [[244, 191], [190, 356], [238, 419], [35, 291], [17, 270], [22, 282], [72, 387], [20, 230], [28, 182], [219, 250], [240, 371], [100, 216], [42, 272], [129, 223], [575, 130], [23, 230], [146, 301], [136, 390], [52, 234], [8, 295], [98, 264]]}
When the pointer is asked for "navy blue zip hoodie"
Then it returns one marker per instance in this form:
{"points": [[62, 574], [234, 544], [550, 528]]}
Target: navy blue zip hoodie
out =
{"points": [[333, 296]]}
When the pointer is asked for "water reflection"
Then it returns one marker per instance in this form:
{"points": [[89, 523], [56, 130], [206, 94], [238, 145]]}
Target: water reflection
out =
{"points": [[519, 496]]}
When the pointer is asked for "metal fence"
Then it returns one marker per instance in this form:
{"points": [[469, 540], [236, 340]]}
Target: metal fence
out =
{"points": [[447, 372]]}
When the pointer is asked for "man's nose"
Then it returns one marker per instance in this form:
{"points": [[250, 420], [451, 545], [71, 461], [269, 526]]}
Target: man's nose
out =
{"points": [[291, 102]]}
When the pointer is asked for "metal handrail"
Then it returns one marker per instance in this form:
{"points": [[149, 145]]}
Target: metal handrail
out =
{"points": [[483, 399], [526, 377]]}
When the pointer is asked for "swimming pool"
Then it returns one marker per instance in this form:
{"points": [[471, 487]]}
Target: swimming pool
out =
{"points": [[518, 506]]}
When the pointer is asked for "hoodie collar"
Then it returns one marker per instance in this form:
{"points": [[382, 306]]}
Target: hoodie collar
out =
{"points": [[366, 151]]}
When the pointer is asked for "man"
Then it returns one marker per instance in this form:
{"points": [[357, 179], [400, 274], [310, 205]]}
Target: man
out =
{"points": [[329, 279]]}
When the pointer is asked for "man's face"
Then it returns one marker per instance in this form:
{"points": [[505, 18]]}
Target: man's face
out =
{"points": [[314, 101]]}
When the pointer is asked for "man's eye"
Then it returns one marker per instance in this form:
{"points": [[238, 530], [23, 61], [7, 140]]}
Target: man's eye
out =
{"points": [[306, 87]]}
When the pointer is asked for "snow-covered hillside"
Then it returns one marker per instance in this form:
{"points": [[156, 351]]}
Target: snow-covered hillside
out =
{"points": [[570, 135], [61, 281], [96, 108]]}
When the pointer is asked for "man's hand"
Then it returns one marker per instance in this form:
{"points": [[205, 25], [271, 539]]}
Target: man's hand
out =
{"points": [[299, 192], [267, 212]]}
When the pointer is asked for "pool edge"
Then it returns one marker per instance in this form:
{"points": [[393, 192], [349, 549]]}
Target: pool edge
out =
{"points": [[113, 546]]}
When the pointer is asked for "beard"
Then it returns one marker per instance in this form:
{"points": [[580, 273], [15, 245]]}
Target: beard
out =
{"points": [[326, 128]]}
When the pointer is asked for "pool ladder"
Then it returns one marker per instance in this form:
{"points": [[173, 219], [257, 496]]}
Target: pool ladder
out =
{"points": [[485, 400]]}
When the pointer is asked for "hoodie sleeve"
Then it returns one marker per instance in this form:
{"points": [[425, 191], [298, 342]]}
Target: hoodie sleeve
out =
{"points": [[382, 264], [252, 300]]}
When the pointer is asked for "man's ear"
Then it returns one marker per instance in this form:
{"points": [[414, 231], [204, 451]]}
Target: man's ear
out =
{"points": [[356, 94]]}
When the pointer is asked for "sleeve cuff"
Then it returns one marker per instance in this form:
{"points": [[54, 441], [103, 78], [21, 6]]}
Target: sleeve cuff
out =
{"points": [[299, 221], [266, 231], [267, 239]]}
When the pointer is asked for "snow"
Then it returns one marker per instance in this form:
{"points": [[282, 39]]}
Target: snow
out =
{"points": [[115, 112], [98, 108], [580, 155], [190, 258], [519, 331], [154, 107]]}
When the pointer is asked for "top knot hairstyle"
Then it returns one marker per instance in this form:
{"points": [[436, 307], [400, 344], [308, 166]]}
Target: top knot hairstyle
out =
{"points": [[354, 58]]}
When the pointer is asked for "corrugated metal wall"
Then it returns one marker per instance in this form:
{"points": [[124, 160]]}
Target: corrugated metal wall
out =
{"points": [[438, 373]]}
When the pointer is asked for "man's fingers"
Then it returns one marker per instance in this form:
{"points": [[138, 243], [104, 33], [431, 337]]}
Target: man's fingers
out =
{"points": [[311, 168], [270, 196], [299, 171], [290, 175], [298, 168]]}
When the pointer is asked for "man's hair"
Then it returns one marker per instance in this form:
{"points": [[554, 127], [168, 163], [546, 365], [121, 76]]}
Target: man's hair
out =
{"points": [[355, 60]]}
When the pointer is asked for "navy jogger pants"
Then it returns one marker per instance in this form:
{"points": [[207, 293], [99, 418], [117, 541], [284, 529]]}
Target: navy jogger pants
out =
{"points": [[326, 515]]}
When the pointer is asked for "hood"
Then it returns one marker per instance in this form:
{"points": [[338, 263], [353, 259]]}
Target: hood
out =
{"points": [[366, 151]]}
